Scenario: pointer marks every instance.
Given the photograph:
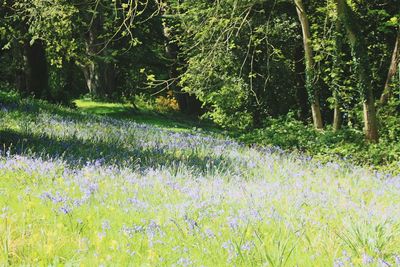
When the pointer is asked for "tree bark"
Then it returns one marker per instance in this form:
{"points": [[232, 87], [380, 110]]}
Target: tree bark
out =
{"points": [[311, 82], [361, 60], [337, 118], [91, 69], [394, 63]]}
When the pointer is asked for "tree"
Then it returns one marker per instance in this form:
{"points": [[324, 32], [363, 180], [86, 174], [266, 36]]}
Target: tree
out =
{"points": [[91, 68], [311, 77], [99, 24], [361, 61]]}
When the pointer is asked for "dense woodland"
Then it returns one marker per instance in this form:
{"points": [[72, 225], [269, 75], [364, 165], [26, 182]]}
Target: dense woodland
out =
{"points": [[248, 65]]}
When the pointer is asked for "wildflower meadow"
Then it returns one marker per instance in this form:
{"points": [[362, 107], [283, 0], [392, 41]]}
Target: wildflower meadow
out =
{"points": [[80, 189]]}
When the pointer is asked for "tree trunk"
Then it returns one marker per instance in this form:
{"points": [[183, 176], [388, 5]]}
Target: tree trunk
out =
{"points": [[187, 103], [360, 55], [92, 70], [92, 78], [311, 80], [37, 76], [109, 78], [337, 67], [337, 117], [387, 91]]}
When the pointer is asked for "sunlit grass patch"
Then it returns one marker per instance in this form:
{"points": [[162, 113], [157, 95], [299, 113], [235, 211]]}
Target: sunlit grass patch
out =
{"points": [[146, 113], [102, 108]]}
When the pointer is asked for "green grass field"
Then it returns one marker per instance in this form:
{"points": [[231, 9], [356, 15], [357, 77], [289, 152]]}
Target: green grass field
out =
{"points": [[100, 185]]}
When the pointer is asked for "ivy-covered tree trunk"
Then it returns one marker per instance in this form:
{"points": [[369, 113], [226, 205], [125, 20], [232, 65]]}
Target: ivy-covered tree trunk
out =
{"points": [[311, 79], [37, 76], [394, 63], [337, 76], [361, 61]]}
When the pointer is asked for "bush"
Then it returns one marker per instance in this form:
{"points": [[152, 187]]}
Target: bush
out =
{"points": [[166, 103]]}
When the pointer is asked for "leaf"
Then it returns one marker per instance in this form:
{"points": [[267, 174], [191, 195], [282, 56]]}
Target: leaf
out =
{"points": [[7, 46], [394, 21], [151, 77], [32, 41]]}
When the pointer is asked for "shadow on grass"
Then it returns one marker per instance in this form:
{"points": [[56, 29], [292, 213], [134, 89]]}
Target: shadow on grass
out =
{"points": [[79, 152]]}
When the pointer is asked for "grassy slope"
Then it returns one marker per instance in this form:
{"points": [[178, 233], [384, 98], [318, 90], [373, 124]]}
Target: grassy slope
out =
{"points": [[88, 189]]}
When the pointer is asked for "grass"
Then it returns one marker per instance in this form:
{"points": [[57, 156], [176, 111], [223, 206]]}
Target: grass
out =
{"points": [[168, 120], [78, 188], [103, 108]]}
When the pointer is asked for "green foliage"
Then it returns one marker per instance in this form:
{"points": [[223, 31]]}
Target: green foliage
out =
{"points": [[347, 144], [9, 97], [235, 59], [285, 132], [51, 21]]}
